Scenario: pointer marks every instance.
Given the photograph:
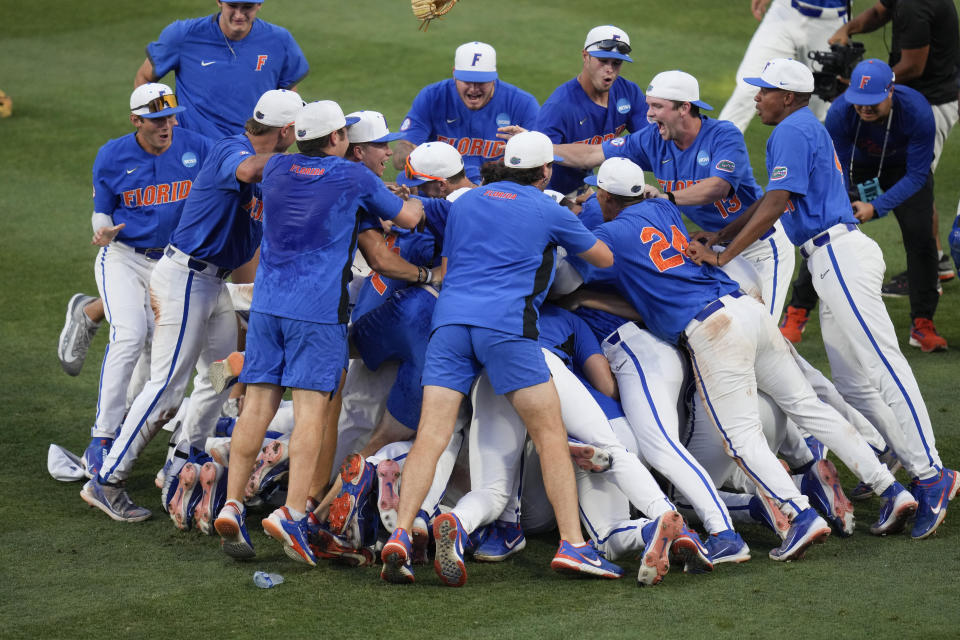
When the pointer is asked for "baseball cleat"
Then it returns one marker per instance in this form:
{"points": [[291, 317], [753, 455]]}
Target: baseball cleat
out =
{"points": [[933, 496], [421, 537], [357, 476], [232, 527], [224, 373], [273, 463], [817, 448], [388, 483], [863, 491], [583, 559], [448, 560], [658, 536], [186, 497], [502, 540], [688, 547], [78, 331], [213, 492], [727, 546], [329, 546], [821, 484], [281, 526], [898, 506], [396, 558], [924, 335], [94, 454], [945, 269], [793, 324], [113, 500], [588, 457], [764, 509], [807, 528]]}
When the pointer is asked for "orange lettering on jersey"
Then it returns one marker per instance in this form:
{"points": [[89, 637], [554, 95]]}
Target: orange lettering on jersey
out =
{"points": [[183, 189], [476, 146], [375, 279], [678, 242], [163, 193], [129, 198], [500, 195], [150, 195], [463, 146], [255, 207], [260, 62]]}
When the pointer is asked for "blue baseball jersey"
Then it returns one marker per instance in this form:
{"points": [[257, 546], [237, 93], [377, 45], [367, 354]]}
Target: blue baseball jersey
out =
{"points": [[651, 271], [568, 336], [438, 113], [570, 116], [500, 244], [909, 143], [801, 160], [718, 151], [416, 247], [144, 191], [311, 209], [220, 80], [221, 219]]}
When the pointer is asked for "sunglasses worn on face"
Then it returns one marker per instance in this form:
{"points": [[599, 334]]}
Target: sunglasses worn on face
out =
{"points": [[413, 174], [610, 45], [166, 101]]}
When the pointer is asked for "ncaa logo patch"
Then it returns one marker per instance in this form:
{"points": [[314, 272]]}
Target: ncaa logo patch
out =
{"points": [[703, 158], [503, 119], [623, 106], [405, 124], [726, 165], [189, 159], [618, 142], [778, 173]]}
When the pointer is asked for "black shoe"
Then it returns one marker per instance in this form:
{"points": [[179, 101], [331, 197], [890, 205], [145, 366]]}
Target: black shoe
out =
{"points": [[945, 268]]}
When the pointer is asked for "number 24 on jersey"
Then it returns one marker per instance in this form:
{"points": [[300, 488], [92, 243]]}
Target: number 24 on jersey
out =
{"points": [[660, 247]]}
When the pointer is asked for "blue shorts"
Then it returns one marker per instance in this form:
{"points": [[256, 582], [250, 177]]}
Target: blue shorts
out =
{"points": [[457, 353], [294, 353]]}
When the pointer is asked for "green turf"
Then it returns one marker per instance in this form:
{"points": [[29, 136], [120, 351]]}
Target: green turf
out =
{"points": [[67, 571]]}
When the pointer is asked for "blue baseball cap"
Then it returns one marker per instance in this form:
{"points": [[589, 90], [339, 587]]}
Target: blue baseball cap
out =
{"points": [[870, 83]]}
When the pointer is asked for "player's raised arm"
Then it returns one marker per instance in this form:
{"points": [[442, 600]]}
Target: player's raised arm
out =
{"points": [[410, 214], [599, 255], [251, 169], [581, 156], [145, 73]]}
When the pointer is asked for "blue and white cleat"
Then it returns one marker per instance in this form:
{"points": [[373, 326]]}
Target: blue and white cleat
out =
{"points": [[94, 454], [765, 510], [658, 536], [357, 477], [113, 500], [583, 559], [933, 496], [898, 505], [727, 546], [281, 526], [396, 558], [503, 539], [817, 448], [821, 484], [448, 560], [690, 549], [213, 493], [806, 529], [232, 527], [186, 497]]}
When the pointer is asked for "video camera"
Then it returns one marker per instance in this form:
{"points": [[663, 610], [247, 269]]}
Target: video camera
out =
{"points": [[839, 61]]}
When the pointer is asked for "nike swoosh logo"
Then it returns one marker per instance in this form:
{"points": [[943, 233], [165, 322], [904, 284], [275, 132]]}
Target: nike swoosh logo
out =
{"points": [[582, 121], [129, 171], [205, 63], [666, 161], [824, 274], [510, 544], [449, 121], [595, 563]]}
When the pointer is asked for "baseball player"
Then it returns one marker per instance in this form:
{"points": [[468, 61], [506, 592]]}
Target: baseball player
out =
{"points": [[789, 29], [140, 184], [223, 64], [807, 192], [596, 106], [465, 111], [299, 311], [219, 229], [487, 316]]}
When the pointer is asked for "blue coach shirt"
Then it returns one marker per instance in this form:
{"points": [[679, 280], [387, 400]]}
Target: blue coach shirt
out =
{"points": [[311, 214], [500, 244], [570, 116], [718, 151], [220, 80], [438, 113], [144, 191]]}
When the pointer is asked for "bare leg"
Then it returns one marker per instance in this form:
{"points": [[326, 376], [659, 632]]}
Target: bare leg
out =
{"points": [[309, 417], [94, 310], [262, 401]]}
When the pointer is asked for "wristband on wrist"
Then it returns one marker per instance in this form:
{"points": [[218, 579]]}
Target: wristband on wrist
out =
{"points": [[671, 197], [420, 274]]}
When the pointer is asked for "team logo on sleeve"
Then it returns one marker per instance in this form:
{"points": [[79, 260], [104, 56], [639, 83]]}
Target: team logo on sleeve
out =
{"points": [[618, 142], [703, 158], [503, 119], [726, 165], [623, 106], [405, 124], [189, 159], [778, 173]]}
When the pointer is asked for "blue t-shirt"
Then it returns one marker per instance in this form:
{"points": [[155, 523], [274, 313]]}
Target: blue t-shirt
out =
{"points": [[801, 160], [909, 144], [438, 113], [220, 80], [311, 211], [500, 245], [651, 271], [221, 219], [570, 116], [568, 336], [144, 191], [718, 151]]}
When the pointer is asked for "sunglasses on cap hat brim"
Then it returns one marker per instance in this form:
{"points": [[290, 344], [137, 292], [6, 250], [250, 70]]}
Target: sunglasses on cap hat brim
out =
{"points": [[159, 104], [611, 45], [412, 174]]}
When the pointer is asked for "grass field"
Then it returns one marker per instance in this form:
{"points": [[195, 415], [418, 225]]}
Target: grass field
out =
{"points": [[69, 572]]}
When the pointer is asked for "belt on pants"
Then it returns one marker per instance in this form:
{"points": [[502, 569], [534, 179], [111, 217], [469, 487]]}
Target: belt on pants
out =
{"points": [[715, 306], [200, 266], [769, 232], [150, 254], [614, 337], [818, 12], [825, 238]]}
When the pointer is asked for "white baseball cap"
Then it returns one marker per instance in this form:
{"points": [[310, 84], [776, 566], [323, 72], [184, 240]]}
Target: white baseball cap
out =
{"points": [[786, 74], [676, 85], [608, 41], [430, 161], [475, 62], [317, 119], [529, 149], [154, 100], [370, 126], [277, 107], [619, 176], [556, 195]]}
